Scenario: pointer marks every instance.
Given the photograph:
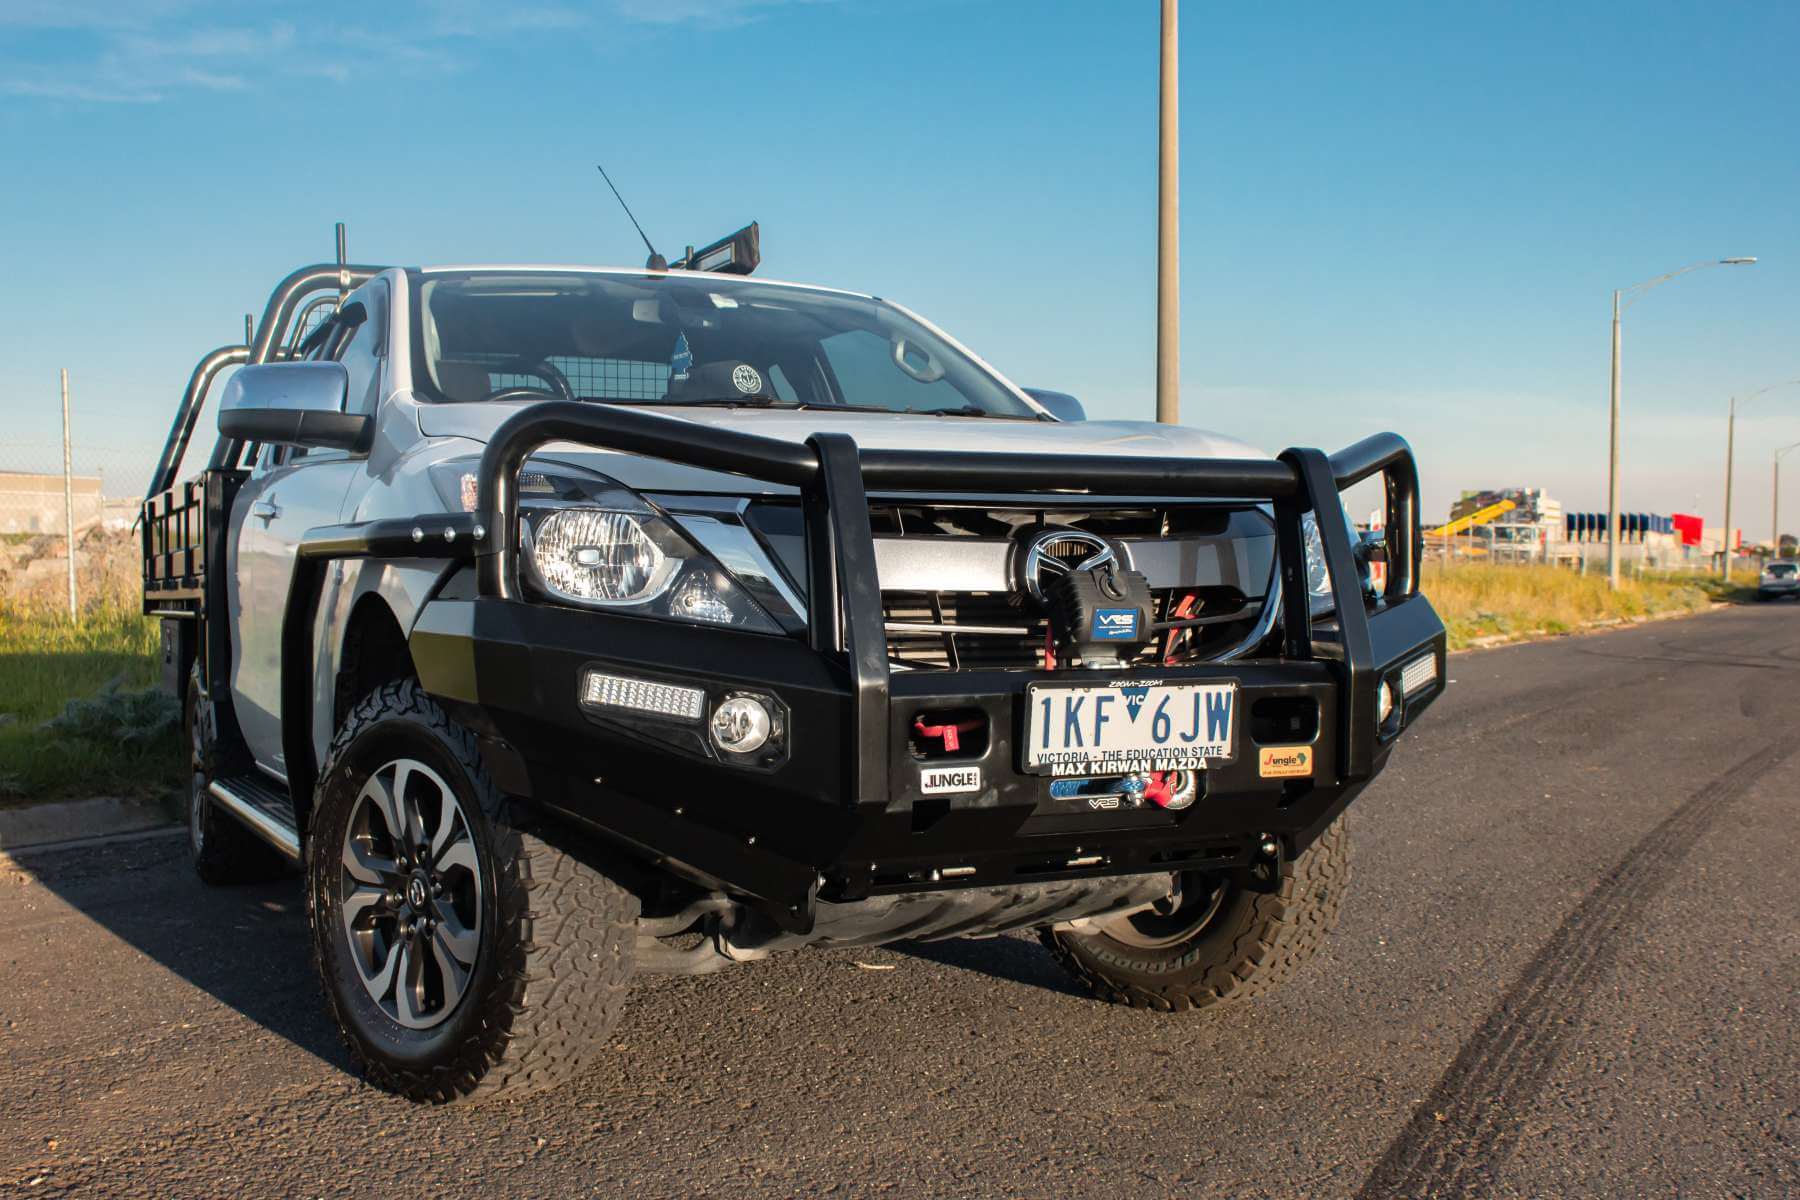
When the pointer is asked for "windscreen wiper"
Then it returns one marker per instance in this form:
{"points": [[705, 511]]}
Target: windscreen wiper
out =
{"points": [[968, 410], [713, 402]]}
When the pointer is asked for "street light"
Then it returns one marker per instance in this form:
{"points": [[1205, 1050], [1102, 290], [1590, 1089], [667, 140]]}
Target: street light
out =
{"points": [[1168, 224], [1636, 291], [1730, 446], [1775, 500]]}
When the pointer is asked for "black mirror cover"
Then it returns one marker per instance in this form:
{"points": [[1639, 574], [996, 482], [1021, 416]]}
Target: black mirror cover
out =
{"points": [[299, 427], [1062, 406]]}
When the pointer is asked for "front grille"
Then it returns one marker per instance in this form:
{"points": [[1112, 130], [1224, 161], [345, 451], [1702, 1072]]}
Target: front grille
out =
{"points": [[1001, 629], [952, 568]]}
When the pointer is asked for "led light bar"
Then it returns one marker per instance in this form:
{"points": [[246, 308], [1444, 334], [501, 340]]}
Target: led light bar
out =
{"points": [[1418, 674], [600, 690]]}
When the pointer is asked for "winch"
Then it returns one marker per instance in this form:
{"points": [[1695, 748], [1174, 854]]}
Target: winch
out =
{"points": [[1100, 616]]}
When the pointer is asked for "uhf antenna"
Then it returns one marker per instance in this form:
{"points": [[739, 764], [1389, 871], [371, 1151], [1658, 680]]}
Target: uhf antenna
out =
{"points": [[657, 262]]}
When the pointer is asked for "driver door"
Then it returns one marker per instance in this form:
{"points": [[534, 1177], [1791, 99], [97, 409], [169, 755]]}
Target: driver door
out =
{"points": [[292, 490]]}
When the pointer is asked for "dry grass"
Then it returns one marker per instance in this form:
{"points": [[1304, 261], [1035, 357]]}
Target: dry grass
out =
{"points": [[47, 660], [1478, 602]]}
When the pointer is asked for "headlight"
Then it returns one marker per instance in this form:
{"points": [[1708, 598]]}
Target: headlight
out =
{"points": [[1318, 575], [597, 555], [586, 541]]}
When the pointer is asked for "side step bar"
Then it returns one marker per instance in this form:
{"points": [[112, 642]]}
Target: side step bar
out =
{"points": [[262, 805]]}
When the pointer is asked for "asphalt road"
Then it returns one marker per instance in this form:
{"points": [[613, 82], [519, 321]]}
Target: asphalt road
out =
{"points": [[1569, 966]]}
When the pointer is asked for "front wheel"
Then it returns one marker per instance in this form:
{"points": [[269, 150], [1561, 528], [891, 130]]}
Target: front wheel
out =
{"points": [[1219, 941], [460, 954]]}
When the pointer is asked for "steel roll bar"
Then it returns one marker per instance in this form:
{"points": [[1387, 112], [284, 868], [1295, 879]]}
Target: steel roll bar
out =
{"points": [[205, 371], [285, 299]]}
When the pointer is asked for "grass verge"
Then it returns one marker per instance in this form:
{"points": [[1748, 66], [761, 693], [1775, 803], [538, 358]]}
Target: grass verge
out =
{"points": [[46, 661], [1513, 602]]}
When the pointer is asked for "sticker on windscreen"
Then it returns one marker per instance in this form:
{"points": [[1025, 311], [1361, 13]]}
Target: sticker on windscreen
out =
{"points": [[745, 378], [682, 361]]}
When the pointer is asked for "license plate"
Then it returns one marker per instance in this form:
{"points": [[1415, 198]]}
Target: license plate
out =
{"points": [[1118, 728]]}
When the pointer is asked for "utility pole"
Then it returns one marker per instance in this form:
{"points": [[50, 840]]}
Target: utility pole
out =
{"points": [[1612, 468], [1725, 534], [68, 493], [1168, 229], [1775, 501], [1730, 447], [1636, 292]]}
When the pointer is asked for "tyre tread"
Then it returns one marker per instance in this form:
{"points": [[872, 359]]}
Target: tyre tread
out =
{"points": [[561, 981], [1281, 930]]}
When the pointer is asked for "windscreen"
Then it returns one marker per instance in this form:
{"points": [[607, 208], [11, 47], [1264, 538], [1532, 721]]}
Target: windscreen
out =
{"points": [[1781, 570], [683, 339]]}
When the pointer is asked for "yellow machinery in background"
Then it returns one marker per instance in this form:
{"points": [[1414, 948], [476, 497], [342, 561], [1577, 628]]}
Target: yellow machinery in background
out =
{"points": [[1480, 516]]}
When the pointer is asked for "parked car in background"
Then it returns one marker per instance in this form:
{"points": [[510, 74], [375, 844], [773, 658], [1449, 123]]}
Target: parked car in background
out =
{"points": [[1780, 579]]}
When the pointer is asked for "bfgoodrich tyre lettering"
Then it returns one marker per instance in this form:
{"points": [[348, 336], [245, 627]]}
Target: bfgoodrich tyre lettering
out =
{"points": [[1249, 943]]}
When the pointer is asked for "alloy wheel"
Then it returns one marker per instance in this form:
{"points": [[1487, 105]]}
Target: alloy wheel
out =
{"points": [[411, 893]]}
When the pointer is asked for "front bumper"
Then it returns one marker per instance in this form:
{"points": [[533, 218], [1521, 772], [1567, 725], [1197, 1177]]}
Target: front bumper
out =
{"points": [[842, 817], [800, 831]]}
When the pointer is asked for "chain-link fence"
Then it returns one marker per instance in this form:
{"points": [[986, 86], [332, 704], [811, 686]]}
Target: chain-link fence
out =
{"points": [[97, 502], [105, 485]]}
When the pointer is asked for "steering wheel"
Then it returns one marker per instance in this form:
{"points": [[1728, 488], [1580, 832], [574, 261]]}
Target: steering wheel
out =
{"points": [[543, 369]]}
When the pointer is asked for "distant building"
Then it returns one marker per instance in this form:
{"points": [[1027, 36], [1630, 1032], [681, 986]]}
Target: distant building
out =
{"points": [[33, 503]]}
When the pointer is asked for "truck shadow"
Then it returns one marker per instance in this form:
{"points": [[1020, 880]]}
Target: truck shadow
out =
{"points": [[247, 946], [1013, 959]]}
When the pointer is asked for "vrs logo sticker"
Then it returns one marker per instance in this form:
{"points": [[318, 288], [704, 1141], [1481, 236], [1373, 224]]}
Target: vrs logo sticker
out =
{"points": [[1115, 624], [937, 781], [1285, 762]]}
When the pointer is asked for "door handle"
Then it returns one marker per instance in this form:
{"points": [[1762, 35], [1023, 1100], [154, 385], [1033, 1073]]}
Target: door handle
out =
{"points": [[265, 510]]}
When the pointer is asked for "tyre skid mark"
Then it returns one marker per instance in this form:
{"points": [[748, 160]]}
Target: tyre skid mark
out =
{"points": [[1464, 1131]]}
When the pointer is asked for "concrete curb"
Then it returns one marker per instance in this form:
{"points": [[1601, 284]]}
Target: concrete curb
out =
{"points": [[38, 824]]}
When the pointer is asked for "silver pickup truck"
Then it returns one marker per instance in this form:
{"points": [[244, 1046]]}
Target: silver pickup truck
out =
{"points": [[561, 623]]}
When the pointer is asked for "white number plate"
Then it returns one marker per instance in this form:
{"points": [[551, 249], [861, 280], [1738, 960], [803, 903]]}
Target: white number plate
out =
{"points": [[1117, 728]]}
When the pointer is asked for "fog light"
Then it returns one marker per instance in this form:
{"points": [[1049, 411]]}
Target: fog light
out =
{"points": [[1384, 703], [1418, 675], [600, 690], [741, 725]]}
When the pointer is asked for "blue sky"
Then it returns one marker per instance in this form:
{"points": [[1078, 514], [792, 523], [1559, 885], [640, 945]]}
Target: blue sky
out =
{"points": [[1394, 216]]}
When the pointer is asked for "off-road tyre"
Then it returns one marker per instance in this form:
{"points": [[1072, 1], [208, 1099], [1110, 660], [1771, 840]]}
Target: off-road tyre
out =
{"points": [[1254, 942], [557, 937], [221, 848]]}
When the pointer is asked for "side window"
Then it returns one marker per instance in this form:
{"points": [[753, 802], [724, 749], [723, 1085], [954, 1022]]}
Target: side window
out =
{"points": [[363, 351]]}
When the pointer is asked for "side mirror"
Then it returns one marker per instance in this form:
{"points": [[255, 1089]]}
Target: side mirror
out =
{"points": [[1062, 406], [293, 404]]}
